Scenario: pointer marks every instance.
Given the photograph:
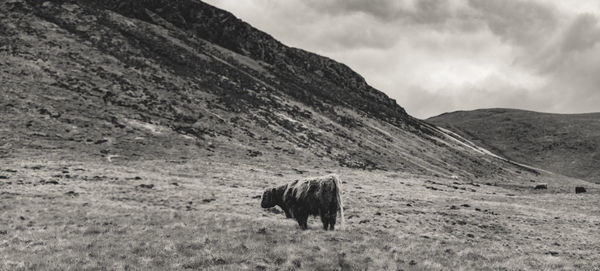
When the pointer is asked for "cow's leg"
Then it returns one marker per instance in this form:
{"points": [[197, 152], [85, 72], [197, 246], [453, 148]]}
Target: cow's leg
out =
{"points": [[302, 221], [324, 218], [301, 217], [288, 213], [332, 220]]}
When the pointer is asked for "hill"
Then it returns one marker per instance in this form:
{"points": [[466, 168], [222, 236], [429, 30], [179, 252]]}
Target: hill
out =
{"points": [[128, 80], [568, 144]]}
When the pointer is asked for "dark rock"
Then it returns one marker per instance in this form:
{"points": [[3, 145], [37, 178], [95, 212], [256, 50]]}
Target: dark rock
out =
{"points": [[219, 261], [253, 153], [541, 186], [364, 221], [72, 193], [3, 177], [208, 200], [470, 235], [148, 186], [553, 253], [580, 189], [175, 184]]}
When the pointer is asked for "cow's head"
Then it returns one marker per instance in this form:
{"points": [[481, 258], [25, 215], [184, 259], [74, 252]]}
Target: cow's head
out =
{"points": [[268, 198]]}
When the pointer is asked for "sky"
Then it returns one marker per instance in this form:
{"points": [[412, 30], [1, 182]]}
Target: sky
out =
{"points": [[436, 56]]}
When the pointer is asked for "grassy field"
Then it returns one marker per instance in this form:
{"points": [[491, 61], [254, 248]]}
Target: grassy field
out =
{"points": [[206, 215]]}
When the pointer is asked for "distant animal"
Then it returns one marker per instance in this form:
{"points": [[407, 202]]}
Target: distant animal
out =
{"points": [[311, 196], [541, 186], [580, 189]]}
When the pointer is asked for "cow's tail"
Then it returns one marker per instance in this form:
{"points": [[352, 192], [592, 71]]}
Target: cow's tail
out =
{"points": [[338, 194]]}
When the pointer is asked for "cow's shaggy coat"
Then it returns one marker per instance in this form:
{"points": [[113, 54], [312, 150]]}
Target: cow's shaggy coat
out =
{"points": [[313, 196]]}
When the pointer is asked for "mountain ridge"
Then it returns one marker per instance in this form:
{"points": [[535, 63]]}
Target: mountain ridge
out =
{"points": [[504, 109], [244, 39]]}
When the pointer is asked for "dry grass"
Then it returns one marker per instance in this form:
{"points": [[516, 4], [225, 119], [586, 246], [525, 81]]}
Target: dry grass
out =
{"points": [[204, 215]]}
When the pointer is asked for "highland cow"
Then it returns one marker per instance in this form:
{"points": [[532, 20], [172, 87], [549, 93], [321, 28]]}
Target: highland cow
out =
{"points": [[312, 196]]}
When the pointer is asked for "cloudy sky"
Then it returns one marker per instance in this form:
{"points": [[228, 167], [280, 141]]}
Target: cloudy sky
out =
{"points": [[435, 56]]}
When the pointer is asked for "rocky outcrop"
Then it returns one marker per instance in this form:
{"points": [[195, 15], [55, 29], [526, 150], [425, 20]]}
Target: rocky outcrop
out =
{"points": [[309, 77]]}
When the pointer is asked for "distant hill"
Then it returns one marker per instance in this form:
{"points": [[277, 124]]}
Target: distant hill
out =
{"points": [[568, 144], [155, 79]]}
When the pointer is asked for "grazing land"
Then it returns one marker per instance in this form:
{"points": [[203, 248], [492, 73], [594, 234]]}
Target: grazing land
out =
{"points": [[205, 215]]}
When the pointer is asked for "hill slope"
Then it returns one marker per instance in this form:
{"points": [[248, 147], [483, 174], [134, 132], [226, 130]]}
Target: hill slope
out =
{"points": [[128, 80], [568, 144]]}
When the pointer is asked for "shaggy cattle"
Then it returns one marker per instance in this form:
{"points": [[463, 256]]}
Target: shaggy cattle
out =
{"points": [[313, 196]]}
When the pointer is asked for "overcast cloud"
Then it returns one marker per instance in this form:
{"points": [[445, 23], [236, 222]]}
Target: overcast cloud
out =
{"points": [[435, 56]]}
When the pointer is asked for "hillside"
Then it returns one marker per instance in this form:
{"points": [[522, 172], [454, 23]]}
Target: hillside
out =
{"points": [[129, 80], [568, 144]]}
